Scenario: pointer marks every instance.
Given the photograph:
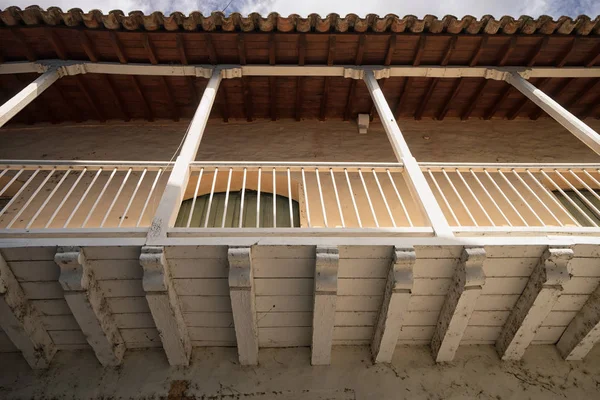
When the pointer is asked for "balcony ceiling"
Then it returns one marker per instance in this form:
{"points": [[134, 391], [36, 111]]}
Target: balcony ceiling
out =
{"points": [[35, 34]]}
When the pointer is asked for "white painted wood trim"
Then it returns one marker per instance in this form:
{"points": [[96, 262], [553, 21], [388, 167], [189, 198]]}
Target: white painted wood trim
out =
{"points": [[29, 93], [535, 303], [573, 124], [22, 322], [397, 294], [165, 306], [86, 300], [459, 305], [326, 282], [584, 330], [241, 290], [167, 209]]}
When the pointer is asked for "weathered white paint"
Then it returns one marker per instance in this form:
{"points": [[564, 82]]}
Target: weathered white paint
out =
{"points": [[535, 303], [325, 299], [22, 322], [87, 302], [583, 332], [459, 305], [165, 306], [396, 299], [29, 93], [241, 287]]}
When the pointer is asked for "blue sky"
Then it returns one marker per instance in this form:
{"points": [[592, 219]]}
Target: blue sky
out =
{"points": [[458, 8]]}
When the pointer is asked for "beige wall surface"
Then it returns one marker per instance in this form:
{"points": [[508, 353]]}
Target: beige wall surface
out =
{"points": [[445, 141]]}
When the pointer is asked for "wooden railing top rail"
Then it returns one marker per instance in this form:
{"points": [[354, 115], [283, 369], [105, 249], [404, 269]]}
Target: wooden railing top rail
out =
{"points": [[519, 167], [81, 164]]}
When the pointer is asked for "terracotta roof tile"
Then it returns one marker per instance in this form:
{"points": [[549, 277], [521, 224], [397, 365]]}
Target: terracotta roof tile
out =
{"points": [[217, 21]]}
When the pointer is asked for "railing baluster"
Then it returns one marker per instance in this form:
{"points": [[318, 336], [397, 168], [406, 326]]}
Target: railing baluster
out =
{"points": [[16, 196], [80, 202], [464, 181], [579, 194], [64, 200], [4, 172], [568, 198], [33, 196], [45, 203], [474, 175], [189, 220], [441, 192], [321, 196], [306, 198], [137, 187], [459, 197], [399, 198], [210, 198], [99, 197], [158, 174], [504, 196], [337, 198], [387, 207], [368, 197], [553, 198], [289, 182], [116, 197], [589, 189], [509, 183], [274, 199], [241, 223], [258, 198], [226, 198], [14, 178], [515, 173], [352, 197]]}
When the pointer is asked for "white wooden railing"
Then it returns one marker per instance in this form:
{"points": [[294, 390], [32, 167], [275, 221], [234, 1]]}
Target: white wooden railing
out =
{"points": [[517, 197]]}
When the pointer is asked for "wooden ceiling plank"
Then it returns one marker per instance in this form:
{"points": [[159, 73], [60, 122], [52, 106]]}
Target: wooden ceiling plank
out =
{"points": [[241, 49], [301, 49], [538, 49], [430, 89], [349, 101], [151, 54], [419, 50], [391, 49], [503, 95], [223, 103], [562, 61], [555, 94], [272, 49], [56, 44], [299, 94], [519, 107], [592, 109], [592, 87], [403, 93], [455, 89], [324, 98], [474, 100], [180, 43], [482, 44], [510, 47], [112, 87], [88, 46], [246, 93], [92, 101], [72, 109], [594, 57], [331, 50], [360, 50], [25, 47], [149, 48], [117, 47], [273, 97], [138, 89], [210, 46], [449, 51]]}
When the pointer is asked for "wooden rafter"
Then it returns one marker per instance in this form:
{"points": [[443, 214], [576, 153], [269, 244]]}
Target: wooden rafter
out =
{"points": [[71, 108], [519, 107], [184, 60], [594, 57], [592, 109], [482, 44], [247, 94], [212, 53], [25, 47], [360, 51], [419, 50], [555, 94], [474, 100], [562, 60], [592, 86], [390, 50], [325, 96], [90, 98], [455, 89], [510, 47], [56, 43], [223, 103], [449, 51], [406, 85], [503, 95], [151, 53], [408, 81], [538, 49], [272, 79], [331, 50], [299, 80], [88, 46], [117, 47], [241, 49]]}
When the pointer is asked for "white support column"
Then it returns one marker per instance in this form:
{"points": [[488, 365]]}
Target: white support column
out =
{"points": [[459, 305], [88, 305], [395, 303], [164, 305], [535, 303], [22, 322], [573, 124], [416, 179], [326, 277], [170, 201], [583, 332], [241, 290], [27, 95]]}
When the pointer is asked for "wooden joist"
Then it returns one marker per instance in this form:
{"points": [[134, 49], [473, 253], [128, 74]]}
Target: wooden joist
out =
{"points": [[397, 294], [22, 322], [241, 291], [538, 49], [325, 299], [482, 44], [562, 60], [247, 96], [241, 49], [455, 89], [460, 302], [503, 95], [164, 305], [594, 57], [23, 45], [510, 47], [474, 100], [391, 49], [88, 304], [210, 47], [90, 98], [151, 53], [299, 80], [543, 289], [272, 79]]}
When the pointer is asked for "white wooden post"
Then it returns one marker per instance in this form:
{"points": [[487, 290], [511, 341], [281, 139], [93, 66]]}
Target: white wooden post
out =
{"points": [[166, 213], [27, 95], [583, 332], [164, 305], [22, 322], [573, 124], [88, 305], [535, 303], [459, 305], [416, 179], [241, 290], [395, 303], [326, 283]]}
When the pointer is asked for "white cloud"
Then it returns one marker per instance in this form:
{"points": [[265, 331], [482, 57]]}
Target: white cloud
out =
{"points": [[420, 8]]}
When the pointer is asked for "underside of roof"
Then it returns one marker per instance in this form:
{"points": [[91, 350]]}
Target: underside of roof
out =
{"points": [[35, 34]]}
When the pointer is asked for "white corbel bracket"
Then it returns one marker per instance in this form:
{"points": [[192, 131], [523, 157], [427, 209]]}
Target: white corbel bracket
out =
{"points": [[230, 73], [496, 74], [153, 261], [354, 73], [381, 73], [64, 68]]}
